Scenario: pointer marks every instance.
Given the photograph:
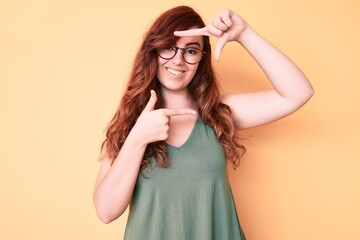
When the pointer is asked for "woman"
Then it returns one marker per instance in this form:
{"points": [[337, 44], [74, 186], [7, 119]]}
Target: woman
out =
{"points": [[166, 147]]}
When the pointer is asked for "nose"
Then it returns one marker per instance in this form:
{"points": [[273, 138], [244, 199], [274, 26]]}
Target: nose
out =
{"points": [[178, 58]]}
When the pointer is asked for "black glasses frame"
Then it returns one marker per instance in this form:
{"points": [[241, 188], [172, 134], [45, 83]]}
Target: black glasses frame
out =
{"points": [[183, 52]]}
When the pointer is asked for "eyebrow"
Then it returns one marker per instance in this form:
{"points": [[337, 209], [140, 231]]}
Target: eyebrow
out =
{"points": [[193, 43]]}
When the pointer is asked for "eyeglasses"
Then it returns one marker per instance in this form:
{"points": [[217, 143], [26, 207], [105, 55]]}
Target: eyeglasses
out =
{"points": [[191, 55]]}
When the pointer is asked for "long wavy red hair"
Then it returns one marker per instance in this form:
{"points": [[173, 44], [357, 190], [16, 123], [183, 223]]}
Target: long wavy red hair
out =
{"points": [[203, 88]]}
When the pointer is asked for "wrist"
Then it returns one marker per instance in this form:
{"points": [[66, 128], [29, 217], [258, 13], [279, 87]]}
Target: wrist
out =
{"points": [[135, 138], [245, 35]]}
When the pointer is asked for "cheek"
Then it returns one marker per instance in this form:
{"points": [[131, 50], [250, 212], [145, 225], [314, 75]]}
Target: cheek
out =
{"points": [[158, 69], [194, 70]]}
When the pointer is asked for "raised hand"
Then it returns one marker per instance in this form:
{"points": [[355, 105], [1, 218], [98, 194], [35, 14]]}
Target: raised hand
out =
{"points": [[153, 125], [226, 26]]}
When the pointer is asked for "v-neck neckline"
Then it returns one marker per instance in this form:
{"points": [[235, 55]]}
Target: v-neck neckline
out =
{"points": [[189, 138]]}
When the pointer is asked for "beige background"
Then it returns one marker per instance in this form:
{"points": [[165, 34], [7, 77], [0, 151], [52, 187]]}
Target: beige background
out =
{"points": [[63, 65]]}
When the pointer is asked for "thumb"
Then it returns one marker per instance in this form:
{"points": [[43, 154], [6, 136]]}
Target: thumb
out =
{"points": [[151, 103], [219, 47]]}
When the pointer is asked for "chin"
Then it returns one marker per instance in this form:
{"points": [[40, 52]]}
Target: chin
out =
{"points": [[173, 88]]}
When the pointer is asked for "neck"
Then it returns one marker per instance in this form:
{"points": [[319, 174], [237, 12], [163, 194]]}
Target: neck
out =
{"points": [[178, 99]]}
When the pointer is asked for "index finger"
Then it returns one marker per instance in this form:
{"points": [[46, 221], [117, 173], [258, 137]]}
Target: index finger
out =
{"points": [[178, 111], [192, 32]]}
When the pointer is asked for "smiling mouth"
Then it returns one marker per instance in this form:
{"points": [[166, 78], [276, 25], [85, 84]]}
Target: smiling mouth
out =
{"points": [[174, 72]]}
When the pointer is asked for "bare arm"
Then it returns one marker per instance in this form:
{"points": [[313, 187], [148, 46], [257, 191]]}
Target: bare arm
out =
{"points": [[291, 89], [116, 180]]}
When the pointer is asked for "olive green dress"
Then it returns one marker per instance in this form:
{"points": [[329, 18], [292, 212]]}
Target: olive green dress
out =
{"points": [[190, 200]]}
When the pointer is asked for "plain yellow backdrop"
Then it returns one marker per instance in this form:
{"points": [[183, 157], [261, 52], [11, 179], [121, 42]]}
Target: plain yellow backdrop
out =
{"points": [[63, 65]]}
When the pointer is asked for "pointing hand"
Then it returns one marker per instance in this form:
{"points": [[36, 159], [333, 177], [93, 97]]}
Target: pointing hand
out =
{"points": [[153, 125]]}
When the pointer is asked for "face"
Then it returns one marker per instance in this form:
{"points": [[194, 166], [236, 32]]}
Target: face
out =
{"points": [[175, 74]]}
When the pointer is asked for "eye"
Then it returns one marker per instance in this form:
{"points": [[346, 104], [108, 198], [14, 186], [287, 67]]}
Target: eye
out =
{"points": [[170, 48], [192, 51]]}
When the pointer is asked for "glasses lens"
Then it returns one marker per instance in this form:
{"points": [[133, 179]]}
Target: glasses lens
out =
{"points": [[192, 55], [167, 53]]}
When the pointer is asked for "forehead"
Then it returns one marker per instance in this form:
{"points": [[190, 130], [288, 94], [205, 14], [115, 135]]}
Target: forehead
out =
{"points": [[185, 41]]}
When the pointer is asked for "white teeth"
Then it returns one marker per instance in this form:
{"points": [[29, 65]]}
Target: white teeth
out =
{"points": [[172, 71]]}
